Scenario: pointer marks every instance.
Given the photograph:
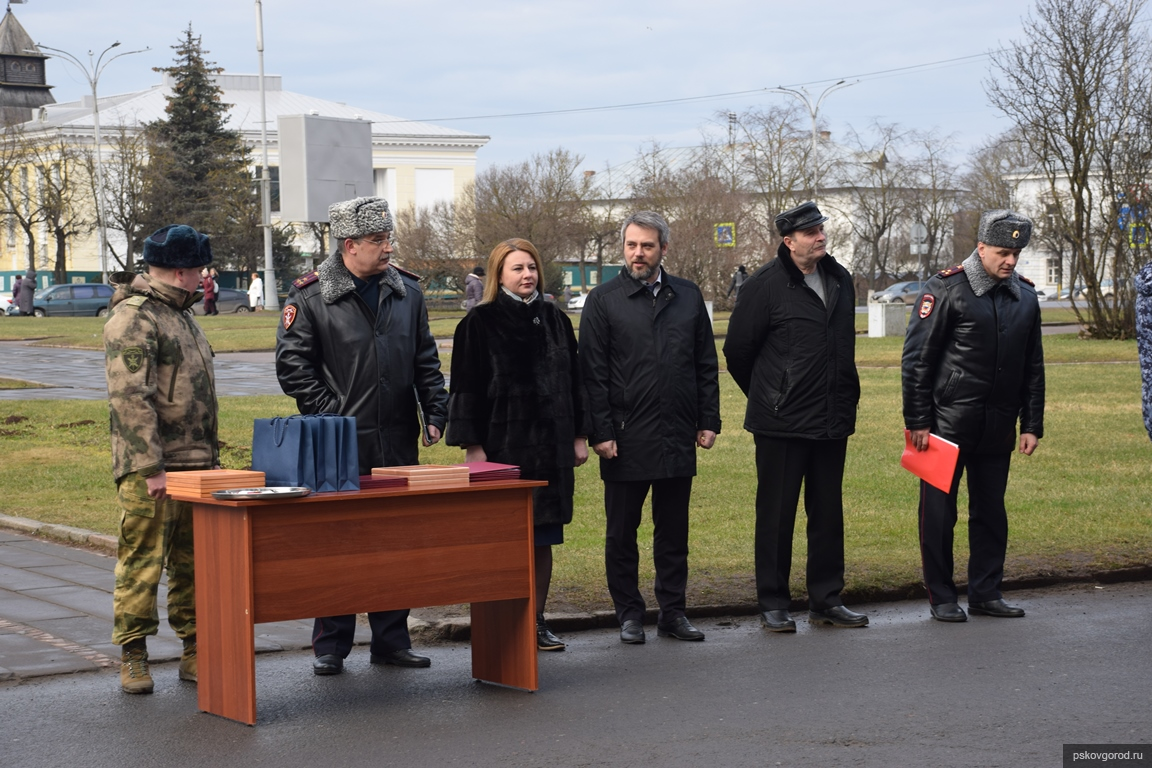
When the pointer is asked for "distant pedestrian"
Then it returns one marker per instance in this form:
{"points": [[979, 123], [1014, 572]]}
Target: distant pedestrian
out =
{"points": [[1144, 337], [473, 288], [27, 291], [208, 286], [16, 288], [738, 278], [256, 293]]}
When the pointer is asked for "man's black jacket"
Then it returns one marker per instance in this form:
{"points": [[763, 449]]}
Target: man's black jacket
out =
{"points": [[794, 355], [651, 376]]}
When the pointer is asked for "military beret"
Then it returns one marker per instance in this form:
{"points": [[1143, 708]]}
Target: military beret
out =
{"points": [[1004, 229], [177, 246], [802, 216], [359, 217]]}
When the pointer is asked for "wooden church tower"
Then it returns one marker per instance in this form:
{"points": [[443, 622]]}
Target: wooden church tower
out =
{"points": [[22, 77]]}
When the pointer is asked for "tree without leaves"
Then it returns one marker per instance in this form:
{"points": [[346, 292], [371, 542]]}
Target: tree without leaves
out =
{"points": [[124, 178], [1078, 90], [21, 186], [933, 200]]}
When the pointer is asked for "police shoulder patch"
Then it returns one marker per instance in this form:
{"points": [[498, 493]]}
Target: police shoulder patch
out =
{"points": [[133, 358], [1026, 280], [307, 279], [951, 271], [289, 316], [927, 304]]}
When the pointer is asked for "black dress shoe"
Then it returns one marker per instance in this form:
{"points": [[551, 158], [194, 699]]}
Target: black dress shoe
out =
{"points": [[777, 621], [838, 616], [328, 664], [681, 629], [948, 612], [997, 608], [632, 631], [545, 640], [401, 658]]}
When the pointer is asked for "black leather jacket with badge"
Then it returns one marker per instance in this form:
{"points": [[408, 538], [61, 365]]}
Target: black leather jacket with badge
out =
{"points": [[792, 354], [333, 355], [973, 361]]}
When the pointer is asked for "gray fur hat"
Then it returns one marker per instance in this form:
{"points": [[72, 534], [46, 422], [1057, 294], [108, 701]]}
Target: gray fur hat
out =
{"points": [[177, 246], [1004, 229], [359, 217]]}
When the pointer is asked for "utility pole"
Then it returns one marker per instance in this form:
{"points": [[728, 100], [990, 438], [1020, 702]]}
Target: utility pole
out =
{"points": [[271, 297], [813, 111]]}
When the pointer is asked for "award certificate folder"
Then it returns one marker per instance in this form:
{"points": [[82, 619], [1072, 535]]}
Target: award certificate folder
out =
{"points": [[935, 466]]}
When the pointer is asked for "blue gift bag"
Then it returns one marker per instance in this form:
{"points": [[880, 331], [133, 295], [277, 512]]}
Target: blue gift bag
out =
{"points": [[316, 451]]}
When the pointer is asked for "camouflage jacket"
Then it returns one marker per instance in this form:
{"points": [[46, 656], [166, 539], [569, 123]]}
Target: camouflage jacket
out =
{"points": [[161, 386]]}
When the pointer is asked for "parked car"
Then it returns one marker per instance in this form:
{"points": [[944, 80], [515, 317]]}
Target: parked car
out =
{"points": [[6, 304], [899, 293], [577, 301], [69, 299], [227, 300]]}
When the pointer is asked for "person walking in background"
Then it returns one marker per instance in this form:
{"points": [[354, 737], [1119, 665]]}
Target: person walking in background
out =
{"points": [[791, 349], [162, 402], [473, 288], [353, 340], [517, 398], [256, 293], [973, 366], [208, 287], [16, 288], [652, 380], [738, 278], [27, 293], [1144, 338]]}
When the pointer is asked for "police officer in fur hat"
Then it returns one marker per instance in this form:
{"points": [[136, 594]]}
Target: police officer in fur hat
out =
{"points": [[162, 400], [973, 367], [354, 341]]}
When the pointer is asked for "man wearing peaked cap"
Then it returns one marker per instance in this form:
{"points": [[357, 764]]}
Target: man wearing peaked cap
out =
{"points": [[973, 366], [791, 348], [354, 340], [151, 341]]}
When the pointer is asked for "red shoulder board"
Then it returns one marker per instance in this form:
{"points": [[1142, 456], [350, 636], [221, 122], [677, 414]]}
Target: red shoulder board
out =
{"points": [[951, 271], [412, 275], [307, 279], [1026, 280]]}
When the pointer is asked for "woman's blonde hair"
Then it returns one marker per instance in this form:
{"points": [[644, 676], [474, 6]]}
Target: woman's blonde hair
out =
{"points": [[496, 263]]}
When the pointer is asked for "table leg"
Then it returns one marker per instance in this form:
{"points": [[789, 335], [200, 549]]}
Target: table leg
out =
{"points": [[504, 643], [225, 635]]}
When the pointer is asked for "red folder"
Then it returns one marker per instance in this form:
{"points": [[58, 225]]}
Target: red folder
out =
{"points": [[935, 466]]}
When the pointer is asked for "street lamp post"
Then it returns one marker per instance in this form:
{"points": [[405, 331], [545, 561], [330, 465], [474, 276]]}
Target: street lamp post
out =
{"points": [[271, 297], [813, 110], [92, 73]]}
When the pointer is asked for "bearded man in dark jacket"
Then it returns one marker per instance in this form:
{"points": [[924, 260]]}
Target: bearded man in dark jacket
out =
{"points": [[973, 365], [652, 381], [791, 348], [354, 341]]}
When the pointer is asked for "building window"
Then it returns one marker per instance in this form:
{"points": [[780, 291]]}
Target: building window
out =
{"points": [[1054, 270], [384, 180]]}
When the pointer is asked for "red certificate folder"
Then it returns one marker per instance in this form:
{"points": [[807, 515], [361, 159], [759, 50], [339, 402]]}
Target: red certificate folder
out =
{"points": [[935, 466]]}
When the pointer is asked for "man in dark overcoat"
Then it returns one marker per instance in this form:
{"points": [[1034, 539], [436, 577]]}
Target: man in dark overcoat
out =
{"points": [[651, 377], [973, 366], [791, 348], [354, 340]]}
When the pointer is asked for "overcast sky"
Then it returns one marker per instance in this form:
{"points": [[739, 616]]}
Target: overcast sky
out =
{"points": [[442, 59]]}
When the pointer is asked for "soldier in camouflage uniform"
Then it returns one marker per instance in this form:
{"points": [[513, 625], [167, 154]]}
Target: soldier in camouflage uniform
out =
{"points": [[162, 400], [1144, 337]]}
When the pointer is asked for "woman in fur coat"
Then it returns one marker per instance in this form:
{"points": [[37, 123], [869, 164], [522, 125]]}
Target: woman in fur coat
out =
{"points": [[516, 398]]}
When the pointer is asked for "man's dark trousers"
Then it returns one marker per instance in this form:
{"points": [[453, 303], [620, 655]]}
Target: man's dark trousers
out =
{"points": [[623, 504], [335, 634], [782, 464], [987, 529]]}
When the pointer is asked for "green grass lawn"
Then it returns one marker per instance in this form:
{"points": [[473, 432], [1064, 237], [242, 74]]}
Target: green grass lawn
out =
{"points": [[1081, 503]]}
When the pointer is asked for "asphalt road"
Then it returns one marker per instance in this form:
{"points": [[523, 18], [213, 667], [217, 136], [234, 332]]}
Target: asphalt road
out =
{"points": [[906, 691]]}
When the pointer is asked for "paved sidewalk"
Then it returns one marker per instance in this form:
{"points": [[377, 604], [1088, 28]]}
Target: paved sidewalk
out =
{"points": [[56, 612]]}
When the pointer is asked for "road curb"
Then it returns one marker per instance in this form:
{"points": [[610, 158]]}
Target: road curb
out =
{"points": [[459, 628]]}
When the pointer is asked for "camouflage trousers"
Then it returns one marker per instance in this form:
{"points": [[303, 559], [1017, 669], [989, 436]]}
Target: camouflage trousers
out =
{"points": [[154, 536]]}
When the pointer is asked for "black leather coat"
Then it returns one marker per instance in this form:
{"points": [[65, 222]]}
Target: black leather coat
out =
{"points": [[794, 355], [973, 365], [333, 356], [650, 374]]}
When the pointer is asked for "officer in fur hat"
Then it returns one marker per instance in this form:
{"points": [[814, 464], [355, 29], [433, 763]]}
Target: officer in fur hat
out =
{"points": [[354, 340], [973, 367], [162, 401]]}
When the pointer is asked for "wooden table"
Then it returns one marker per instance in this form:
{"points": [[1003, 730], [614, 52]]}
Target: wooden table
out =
{"points": [[330, 554]]}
